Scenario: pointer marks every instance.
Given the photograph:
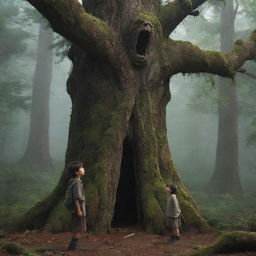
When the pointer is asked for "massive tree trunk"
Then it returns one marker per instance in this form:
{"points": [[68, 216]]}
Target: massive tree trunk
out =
{"points": [[119, 86], [37, 152], [226, 177]]}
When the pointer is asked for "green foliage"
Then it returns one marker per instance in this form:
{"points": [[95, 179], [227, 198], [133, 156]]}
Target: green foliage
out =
{"points": [[21, 189], [229, 212]]}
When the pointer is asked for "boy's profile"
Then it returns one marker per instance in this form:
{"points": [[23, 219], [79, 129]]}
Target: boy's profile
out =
{"points": [[173, 213], [77, 207]]}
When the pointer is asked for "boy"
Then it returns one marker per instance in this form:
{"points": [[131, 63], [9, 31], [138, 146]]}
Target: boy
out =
{"points": [[78, 213], [173, 213]]}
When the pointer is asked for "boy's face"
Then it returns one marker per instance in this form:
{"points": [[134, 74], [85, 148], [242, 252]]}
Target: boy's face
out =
{"points": [[80, 171]]}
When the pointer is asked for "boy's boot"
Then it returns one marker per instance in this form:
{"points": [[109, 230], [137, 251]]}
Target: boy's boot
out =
{"points": [[72, 244], [75, 245], [177, 238], [79, 247], [171, 240]]}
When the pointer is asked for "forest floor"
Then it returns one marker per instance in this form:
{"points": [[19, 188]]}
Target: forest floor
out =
{"points": [[120, 242]]}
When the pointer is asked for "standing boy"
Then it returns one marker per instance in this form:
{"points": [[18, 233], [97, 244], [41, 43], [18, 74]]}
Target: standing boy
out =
{"points": [[173, 213], [75, 191]]}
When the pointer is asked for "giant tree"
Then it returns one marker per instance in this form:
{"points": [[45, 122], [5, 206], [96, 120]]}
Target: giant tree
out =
{"points": [[123, 59]]}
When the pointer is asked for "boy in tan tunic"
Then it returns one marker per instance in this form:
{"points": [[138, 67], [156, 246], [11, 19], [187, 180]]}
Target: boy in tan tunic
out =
{"points": [[77, 210], [173, 213]]}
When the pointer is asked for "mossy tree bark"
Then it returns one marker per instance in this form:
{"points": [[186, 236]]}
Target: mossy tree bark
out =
{"points": [[226, 178], [230, 242], [122, 62], [38, 152]]}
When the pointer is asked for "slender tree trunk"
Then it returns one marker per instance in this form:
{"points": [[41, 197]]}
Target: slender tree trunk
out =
{"points": [[226, 175], [37, 152]]}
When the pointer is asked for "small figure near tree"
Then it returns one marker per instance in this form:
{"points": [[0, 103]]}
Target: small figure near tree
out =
{"points": [[75, 202], [173, 213]]}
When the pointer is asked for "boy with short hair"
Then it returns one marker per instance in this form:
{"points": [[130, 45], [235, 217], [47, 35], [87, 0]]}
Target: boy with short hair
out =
{"points": [[173, 213], [78, 212]]}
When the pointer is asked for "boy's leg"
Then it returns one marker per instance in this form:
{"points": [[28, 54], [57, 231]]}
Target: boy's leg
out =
{"points": [[172, 237], [177, 234], [77, 227]]}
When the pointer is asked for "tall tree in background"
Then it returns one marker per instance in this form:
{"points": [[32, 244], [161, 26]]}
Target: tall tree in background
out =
{"points": [[226, 177], [12, 80], [38, 152], [119, 86]]}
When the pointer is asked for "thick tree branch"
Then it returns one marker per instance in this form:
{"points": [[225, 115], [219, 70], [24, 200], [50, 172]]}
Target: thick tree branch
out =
{"points": [[172, 14], [242, 51], [184, 57], [69, 19]]}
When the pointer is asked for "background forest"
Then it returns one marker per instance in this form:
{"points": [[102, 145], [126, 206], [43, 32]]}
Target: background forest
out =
{"points": [[35, 111]]}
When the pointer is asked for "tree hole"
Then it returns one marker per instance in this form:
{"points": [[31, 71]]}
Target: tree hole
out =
{"points": [[142, 42], [126, 201]]}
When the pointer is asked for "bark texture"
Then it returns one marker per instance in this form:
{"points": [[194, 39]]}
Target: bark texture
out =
{"points": [[226, 177], [38, 152], [119, 87]]}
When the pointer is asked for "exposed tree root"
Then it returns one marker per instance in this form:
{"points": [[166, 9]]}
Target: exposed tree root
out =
{"points": [[17, 249], [230, 242]]}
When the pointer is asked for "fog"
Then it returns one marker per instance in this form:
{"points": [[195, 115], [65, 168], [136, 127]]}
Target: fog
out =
{"points": [[60, 109], [192, 133]]}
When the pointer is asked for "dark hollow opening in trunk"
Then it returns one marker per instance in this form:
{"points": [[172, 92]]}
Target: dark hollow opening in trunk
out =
{"points": [[142, 42], [125, 213]]}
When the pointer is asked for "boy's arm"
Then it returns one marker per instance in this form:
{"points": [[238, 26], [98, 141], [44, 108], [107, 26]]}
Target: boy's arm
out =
{"points": [[76, 197], [175, 208], [78, 209]]}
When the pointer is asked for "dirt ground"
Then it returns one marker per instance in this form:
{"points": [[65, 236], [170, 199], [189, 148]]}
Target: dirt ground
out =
{"points": [[121, 242]]}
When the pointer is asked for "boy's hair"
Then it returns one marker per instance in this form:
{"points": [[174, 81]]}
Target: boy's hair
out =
{"points": [[74, 166], [173, 188]]}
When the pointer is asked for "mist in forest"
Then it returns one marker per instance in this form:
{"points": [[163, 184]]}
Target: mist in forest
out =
{"points": [[192, 132], [192, 116]]}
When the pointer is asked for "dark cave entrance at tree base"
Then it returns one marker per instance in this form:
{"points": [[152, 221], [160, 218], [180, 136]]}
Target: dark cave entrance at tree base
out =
{"points": [[126, 213]]}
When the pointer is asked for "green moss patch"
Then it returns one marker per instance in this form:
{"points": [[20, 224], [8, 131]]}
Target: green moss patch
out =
{"points": [[16, 249], [230, 242]]}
